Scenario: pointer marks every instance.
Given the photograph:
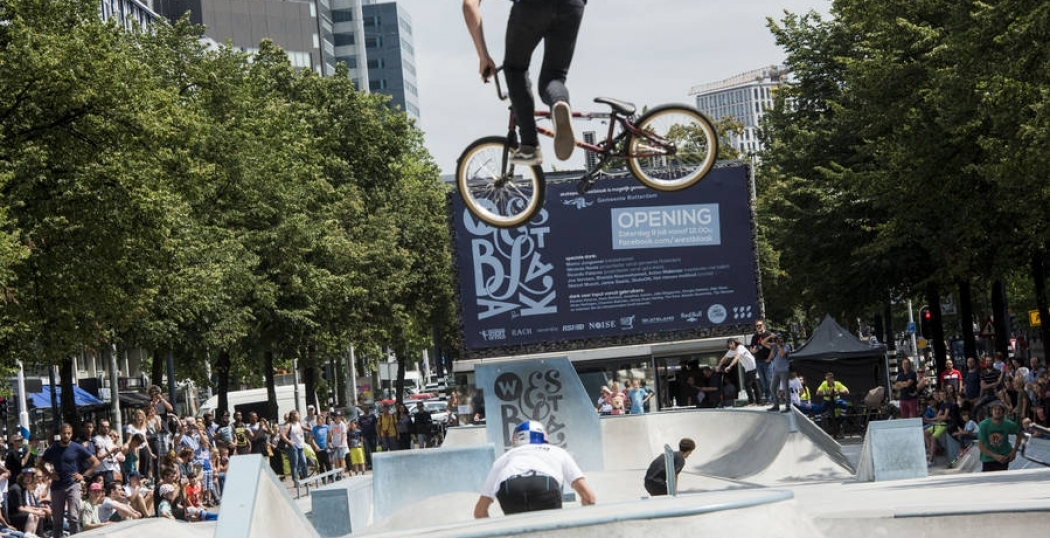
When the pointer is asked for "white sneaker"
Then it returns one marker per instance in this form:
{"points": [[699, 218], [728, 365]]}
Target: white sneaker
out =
{"points": [[564, 138], [527, 156]]}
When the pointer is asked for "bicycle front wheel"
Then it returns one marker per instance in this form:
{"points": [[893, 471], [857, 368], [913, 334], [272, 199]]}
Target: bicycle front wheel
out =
{"points": [[674, 148], [498, 192]]}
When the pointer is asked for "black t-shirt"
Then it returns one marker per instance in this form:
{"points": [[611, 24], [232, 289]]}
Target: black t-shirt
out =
{"points": [[991, 375], [910, 392], [657, 472], [762, 352]]}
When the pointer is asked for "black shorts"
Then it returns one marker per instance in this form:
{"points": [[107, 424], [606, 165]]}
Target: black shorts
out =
{"points": [[991, 466], [529, 493], [656, 489]]}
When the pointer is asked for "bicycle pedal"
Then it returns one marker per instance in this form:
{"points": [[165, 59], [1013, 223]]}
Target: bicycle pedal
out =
{"points": [[584, 185]]}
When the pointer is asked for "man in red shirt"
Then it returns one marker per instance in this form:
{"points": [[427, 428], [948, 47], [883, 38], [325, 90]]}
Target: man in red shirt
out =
{"points": [[951, 376]]}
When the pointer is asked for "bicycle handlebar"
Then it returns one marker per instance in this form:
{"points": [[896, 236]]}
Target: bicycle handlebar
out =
{"points": [[499, 89]]}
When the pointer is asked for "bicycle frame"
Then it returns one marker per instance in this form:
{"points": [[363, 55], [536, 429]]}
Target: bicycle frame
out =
{"points": [[606, 149]]}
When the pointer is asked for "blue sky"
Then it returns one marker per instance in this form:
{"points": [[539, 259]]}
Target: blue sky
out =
{"points": [[648, 52]]}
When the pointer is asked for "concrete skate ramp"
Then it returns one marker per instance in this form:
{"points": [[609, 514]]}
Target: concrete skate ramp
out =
{"points": [[153, 528], [256, 505], [1038, 449], [748, 445], [738, 513]]}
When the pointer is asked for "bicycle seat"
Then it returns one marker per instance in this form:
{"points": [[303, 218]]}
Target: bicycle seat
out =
{"points": [[623, 107]]}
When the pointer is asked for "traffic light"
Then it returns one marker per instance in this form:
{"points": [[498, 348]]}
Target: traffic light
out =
{"points": [[926, 322]]}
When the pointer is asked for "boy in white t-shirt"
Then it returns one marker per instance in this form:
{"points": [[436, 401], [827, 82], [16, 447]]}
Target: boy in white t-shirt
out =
{"points": [[795, 388]]}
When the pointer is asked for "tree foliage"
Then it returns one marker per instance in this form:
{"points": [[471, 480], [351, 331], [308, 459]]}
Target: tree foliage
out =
{"points": [[907, 151], [159, 193]]}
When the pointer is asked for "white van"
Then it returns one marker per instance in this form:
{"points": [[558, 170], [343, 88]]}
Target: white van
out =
{"points": [[249, 400]]}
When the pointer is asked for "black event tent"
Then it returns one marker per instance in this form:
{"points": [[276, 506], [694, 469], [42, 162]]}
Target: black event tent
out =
{"points": [[859, 365]]}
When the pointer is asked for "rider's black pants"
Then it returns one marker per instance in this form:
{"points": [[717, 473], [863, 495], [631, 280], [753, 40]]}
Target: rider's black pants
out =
{"points": [[556, 23], [529, 493]]}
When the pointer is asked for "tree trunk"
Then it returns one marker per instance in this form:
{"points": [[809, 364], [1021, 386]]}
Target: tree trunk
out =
{"points": [[156, 370], [999, 319], [310, 377], [399, 384], [886, 335], [222, 372], [940, 352], [1039, 279], [68, 402], [271, 389], [966, 321]]}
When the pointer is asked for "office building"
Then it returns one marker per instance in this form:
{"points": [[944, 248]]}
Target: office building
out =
{"points": [[303, 28], [132, 15], [390, 54], [743, 98], [374, 39]]}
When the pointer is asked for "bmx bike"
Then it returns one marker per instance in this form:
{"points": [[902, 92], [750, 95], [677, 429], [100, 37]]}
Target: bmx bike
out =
{"points": [[667, 148]]}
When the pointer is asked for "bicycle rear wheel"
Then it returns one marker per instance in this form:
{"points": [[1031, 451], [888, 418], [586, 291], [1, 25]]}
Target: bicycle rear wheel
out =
{"points": [[676, 148], [498, 192]]}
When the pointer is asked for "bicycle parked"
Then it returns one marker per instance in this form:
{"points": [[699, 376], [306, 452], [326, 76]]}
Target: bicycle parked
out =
{"points": [[667, 148]]}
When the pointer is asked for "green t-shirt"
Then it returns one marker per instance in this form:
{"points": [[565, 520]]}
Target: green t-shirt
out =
{"points": [[996, 437]]}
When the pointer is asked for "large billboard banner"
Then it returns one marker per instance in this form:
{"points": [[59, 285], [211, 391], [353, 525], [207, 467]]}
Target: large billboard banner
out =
{"points": [[620, 261]]}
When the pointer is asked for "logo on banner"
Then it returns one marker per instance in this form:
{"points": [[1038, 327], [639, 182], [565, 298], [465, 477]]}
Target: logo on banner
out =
{"points": [[742, 312], [511, 273], [691, 317], [535, 398], [627, 323], [579, 203], [716, 313]]}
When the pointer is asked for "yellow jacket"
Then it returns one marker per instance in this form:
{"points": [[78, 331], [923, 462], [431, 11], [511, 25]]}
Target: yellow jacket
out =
{"points": [[387, 425]]}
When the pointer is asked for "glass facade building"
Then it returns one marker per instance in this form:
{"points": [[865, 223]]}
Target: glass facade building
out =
{"points": [[744, 98]]}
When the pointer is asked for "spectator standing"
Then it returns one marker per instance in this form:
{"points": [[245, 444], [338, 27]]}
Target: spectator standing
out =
{"points": [[761, 347], [71, 462], [319, 441], [907, 383], [165, 414], [421, 424], [404, 428], [951, 376], [354, 439], [656, 476], [337, 439], [795, 389], [241, 435], [388, 428], [367, 423], [737, 353], [224, 433], [993, 439], [639, 397], [779, 388], [972, 381], [295, 439], [991, 382], [259, 434], [108, 452], [139, 425], [19, 456]]}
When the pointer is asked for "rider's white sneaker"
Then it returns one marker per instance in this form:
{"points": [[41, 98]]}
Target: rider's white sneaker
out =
{"points": [[564, 138], [527, 156]]}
